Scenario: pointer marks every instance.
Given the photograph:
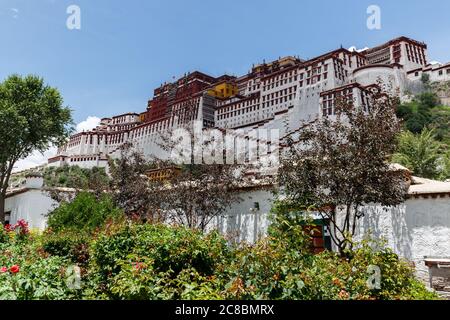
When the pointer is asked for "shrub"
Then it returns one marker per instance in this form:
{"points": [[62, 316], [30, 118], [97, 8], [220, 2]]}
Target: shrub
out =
{"points": [[286, 224], [42, 279], [85, 212], [129, 260], [164, 249], [4, 237], [68, 244], [25, 273], [140, 281], [282, 266], [273, 271], [397, 276], [179, 248]]}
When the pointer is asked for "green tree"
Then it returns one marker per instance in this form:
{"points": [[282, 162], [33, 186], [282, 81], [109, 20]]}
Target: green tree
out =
{"points": [[417, 114], [426, 81], [440, 122], [417, 121], [427, 100], [32, 117], [445, 166], [85, 212], [419, 153]]}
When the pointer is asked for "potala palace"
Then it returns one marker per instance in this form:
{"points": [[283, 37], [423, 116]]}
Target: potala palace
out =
{"points": [[282, 94]]}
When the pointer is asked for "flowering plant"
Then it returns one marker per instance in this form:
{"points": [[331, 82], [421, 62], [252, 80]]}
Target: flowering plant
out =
{"points": [[20, 228], [13, 269]]}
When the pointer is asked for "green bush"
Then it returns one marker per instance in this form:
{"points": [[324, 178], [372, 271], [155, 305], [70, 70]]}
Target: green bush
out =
{"points": [[68, 244], [171, 250], [75, 177], [142, 282], [397, 275], [270, 270], [179, 248], [28, 274], [4, 238], [130, 260], [286, 222], [282, 266], [85, 212]]}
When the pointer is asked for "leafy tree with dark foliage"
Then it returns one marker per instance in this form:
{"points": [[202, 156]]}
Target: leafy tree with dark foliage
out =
{"points": [[191, 195], [198, 193], [341, 163], [130, 187]]}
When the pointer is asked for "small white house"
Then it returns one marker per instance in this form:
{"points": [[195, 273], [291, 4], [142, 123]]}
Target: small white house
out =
{"points": [[30, 202]]}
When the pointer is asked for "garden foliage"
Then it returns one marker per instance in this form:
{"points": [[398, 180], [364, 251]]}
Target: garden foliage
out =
{"points": [[135, 260]]}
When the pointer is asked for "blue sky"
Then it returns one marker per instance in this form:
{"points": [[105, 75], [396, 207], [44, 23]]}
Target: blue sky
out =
{"points": [[127, 48]]}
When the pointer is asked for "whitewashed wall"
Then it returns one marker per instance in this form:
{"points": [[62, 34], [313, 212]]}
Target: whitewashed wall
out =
{"points": [[419, 227], [32, 206], [242, 222]]}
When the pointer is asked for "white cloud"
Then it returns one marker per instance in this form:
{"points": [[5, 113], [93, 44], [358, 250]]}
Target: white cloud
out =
{"points": [[15, 13], [35, 159], [90, 123], [353, 48]]}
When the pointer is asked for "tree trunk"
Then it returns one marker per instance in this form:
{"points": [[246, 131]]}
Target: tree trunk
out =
{"points": [[2, 209]]}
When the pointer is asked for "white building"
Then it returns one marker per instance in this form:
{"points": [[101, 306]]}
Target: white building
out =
{"points": [[282, 94], [30, 202], [437, 72]]}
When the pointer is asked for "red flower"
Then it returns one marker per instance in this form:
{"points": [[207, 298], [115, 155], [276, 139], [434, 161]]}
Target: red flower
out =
{"points": [[3, 269], [138, 266], [22, 227], [14, 269]]}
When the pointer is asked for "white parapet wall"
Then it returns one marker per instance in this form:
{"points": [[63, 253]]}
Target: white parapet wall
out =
{"points": [[247, 220], [418, 228]]}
